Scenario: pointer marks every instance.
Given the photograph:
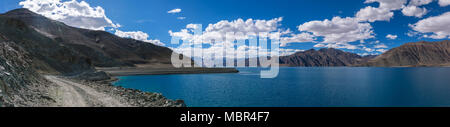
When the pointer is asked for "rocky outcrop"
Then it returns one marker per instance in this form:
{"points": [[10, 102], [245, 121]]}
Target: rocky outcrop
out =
{"points": [[322, 58], [48, 55], [414, 54], [20, 85]]}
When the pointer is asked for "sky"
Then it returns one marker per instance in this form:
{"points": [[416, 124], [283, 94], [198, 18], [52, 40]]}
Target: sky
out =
{"points": [[360, 26]]}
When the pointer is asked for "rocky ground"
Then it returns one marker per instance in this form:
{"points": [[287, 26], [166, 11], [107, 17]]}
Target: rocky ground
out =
{"points": [[19, 84]]}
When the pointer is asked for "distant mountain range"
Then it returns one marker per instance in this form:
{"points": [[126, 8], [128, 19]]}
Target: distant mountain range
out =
{"points": [[413, 55], [323, 58], [408, 55]]}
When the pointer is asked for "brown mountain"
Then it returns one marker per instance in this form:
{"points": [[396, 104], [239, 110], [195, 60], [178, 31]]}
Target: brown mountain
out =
{"points": [[57, 47], [415, 54], [322, 58]]}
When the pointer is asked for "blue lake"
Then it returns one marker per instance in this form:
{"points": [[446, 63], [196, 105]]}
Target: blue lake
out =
{"points": [[304, 87]]}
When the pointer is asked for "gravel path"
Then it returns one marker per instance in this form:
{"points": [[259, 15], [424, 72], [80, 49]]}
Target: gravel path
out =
{"points": [[71, 94]]}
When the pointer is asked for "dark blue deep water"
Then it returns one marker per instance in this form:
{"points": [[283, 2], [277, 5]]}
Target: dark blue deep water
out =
{"points": [[304, 87]]}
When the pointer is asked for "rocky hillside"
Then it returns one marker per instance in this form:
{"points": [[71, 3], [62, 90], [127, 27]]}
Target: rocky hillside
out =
{"points": [[322, 58], [415, 54], [32, 45], [57, 47], [20, 85]]}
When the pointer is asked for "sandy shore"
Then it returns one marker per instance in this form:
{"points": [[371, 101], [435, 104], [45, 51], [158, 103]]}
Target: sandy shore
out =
{"points": [[128, 71]]}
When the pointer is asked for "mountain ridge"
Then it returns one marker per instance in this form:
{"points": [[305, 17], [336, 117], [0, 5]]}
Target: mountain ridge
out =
{"points": [[413, 55], [95, 48], [321, 58]]}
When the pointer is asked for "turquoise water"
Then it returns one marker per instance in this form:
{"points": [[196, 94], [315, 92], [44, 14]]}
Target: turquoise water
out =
{"points": [[304, 87]]}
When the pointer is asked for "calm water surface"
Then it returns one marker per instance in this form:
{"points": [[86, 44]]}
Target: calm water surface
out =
{"points": [[304, 87]]}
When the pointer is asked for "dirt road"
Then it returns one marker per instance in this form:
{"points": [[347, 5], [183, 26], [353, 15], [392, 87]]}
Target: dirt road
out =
{"points": [[72, 94]]}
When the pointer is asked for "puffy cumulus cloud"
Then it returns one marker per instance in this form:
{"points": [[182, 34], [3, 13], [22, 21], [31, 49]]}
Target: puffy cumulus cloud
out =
{"points": [[413, 8], [414, 11], [138, 35], [436, 27], [247, 26], [193, 26], [368, 49], [336, 45], [444, 3], [220, 29], [302, 37], [173, 11], [389, 4], [380, 46], [287, 52], [381, 13], [419, 2], [224, 33], [392, 37], [382, 50], [373, 14], [73, 13], [339, 30]]}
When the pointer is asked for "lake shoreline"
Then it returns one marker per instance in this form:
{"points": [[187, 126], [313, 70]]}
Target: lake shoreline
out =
{"points": [[135, 71]]}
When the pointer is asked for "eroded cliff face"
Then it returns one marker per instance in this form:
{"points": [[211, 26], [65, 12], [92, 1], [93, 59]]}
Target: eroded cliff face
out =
{"points": [[20, 85], [415, 54]]}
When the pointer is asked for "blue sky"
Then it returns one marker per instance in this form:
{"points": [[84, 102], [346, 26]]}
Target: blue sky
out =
{"points": [[152, 17]]}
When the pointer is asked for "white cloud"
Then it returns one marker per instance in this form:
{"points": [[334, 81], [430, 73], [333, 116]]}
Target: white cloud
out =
{"points": [[381, 13], [73, 13], [382, 50], [414, 11], [392, 37], [413, 8], [248, 26], [181, 18], [437, 27], [336, 45], [389, 4], [192, 26], [222, 29], [372, 14], [173, 11], [380, 46], [444, 3], [339, 30], [138, 35], [287, 52], [368, 49], [419, 2], [297, 38]]}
